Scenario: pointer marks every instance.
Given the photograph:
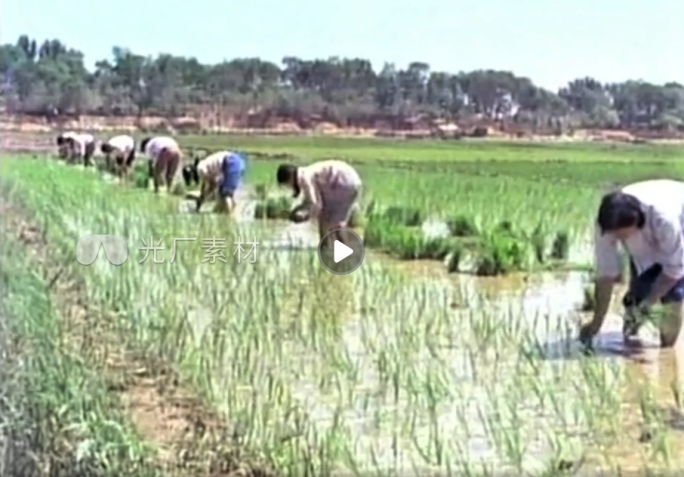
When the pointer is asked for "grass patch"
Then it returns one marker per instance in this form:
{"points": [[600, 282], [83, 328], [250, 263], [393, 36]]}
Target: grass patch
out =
{"points": [[56, 401]]}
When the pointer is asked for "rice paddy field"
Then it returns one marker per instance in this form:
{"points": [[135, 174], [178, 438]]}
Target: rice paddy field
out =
{"points": [[451, 351]]}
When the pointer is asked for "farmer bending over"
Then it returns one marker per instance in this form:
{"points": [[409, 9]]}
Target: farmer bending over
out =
{"points": [[223, 170], [646, 218], [165, 158], [77, 146], [330, 190], [122, 150]]}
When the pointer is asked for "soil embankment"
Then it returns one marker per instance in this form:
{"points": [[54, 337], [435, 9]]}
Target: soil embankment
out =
{"points": [[420, 128]]}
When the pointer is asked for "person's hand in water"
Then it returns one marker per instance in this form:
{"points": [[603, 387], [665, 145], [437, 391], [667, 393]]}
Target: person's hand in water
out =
{"points": [[636, 314], [299, 215], [631, 322], [587, 333]]}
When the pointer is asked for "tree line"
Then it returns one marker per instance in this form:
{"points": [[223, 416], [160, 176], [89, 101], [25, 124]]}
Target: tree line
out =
{"points": [[50, 78]]}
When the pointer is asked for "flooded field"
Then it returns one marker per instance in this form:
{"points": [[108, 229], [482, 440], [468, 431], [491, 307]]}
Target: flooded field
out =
{"points": [[399, 368]]}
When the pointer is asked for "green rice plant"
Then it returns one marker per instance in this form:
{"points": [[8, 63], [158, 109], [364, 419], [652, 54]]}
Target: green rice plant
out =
{"points": [[261, 191], [560, 247], [140, 175], [462, 226], [403, 242], [538, 241], [501, 253], [410, 244], [55, 401], [274, 208], [410, 217], [377, 231], [505, 228]]}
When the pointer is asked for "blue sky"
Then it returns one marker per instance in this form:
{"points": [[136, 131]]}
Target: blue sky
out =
{"points": [[548, 41]]}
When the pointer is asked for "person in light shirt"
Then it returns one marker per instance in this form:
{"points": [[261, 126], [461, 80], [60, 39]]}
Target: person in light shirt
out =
{"points": [[330, 190], [165, 159], [77, 146], [64, 144], [122, 149], [647, 218], [220, 172]]}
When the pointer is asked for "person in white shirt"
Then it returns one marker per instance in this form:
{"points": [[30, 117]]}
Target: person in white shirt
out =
{"points": [[64, 144], [647, 218], [165, 159], [122, 150], [330, 189], [77, 146]]}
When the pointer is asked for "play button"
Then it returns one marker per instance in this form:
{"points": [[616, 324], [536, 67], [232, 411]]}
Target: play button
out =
{"points": [[341, 251]]}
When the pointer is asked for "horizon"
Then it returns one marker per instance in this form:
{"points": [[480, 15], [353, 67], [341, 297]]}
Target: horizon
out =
{"points": [[577, 35]]}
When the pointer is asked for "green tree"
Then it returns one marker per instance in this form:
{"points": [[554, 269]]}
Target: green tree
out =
{"points": [[48, 77]]}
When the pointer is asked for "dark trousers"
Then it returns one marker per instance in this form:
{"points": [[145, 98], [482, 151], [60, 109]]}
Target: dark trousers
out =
{"points": [[640, 286]]}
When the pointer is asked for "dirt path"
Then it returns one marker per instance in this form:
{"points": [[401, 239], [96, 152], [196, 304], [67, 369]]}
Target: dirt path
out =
{"points": [[191, 439]]}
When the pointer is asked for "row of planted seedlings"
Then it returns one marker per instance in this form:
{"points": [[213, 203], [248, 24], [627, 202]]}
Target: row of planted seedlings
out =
{"points": [[466, 248], [409, 234]]}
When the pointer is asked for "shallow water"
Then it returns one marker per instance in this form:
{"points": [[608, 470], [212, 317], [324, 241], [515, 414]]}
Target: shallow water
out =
{"points": [[548, 302], [477, 369]]}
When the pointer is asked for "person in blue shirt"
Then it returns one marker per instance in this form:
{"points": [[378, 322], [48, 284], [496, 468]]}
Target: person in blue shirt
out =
{"points": [[222, 172]]}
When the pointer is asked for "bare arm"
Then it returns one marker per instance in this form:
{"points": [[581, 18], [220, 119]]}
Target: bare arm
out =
{"points": [[608, 271], [311, 198], [602, 295]]}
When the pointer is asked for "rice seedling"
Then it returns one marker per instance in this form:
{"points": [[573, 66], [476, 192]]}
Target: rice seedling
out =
{"points": [[57, 411], [382, 371], [273, 208]]}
